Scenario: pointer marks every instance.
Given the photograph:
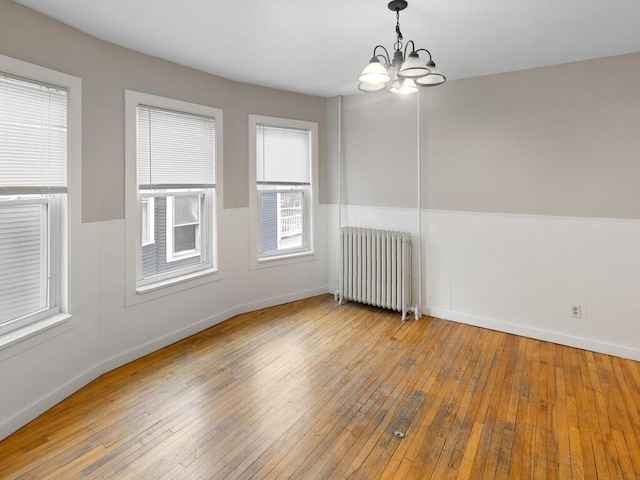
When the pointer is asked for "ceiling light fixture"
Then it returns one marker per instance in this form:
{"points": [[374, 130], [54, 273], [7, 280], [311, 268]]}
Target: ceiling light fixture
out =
{"points": [[406, 72]]}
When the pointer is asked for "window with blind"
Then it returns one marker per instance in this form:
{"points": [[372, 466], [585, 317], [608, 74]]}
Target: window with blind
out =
{"points": [[33, 188], [175, 185], [283, 162]]}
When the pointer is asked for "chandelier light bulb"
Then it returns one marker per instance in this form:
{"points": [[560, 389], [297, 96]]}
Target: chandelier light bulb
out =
{"points": [[404, 86]]}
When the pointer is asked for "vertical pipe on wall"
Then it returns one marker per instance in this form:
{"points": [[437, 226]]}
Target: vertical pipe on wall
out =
{"points": [[340, 257], [418, 313]]}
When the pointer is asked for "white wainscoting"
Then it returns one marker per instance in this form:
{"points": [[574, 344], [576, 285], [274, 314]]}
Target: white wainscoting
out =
{"points": [[522, 273]]}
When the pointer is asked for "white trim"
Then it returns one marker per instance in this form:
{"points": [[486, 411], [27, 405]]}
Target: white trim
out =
{"points": [[34, 328], [536, 333], [307, 252], [133, 249]]}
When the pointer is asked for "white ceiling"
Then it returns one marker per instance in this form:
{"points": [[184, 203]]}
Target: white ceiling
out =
{"points": [[320, 47]]}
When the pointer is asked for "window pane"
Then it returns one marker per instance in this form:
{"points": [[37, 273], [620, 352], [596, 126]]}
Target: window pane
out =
{"points": [[145, 214], [22, 260], [185, 238], [281, 220], [156, 256], [186, 209], [268, 221], [290, 220]]}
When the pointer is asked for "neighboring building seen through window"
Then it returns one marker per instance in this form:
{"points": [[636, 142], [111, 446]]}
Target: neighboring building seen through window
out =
{"points": [[33, 191]]}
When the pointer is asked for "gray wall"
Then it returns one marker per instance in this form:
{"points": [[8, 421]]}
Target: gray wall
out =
{"points": [[378, 150], [561, 140], [107, 70]]}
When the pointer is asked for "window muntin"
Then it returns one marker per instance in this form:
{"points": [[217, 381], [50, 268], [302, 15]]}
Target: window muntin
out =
{"points": [[33, 184], [283, 166], [176, 174]]}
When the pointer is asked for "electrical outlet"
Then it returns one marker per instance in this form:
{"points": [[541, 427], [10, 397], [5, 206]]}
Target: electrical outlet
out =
{"points": [[576, 311]]}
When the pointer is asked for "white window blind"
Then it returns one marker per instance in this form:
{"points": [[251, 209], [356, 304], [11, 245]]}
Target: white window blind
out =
{"points": [[23, 257], [283, 156], [33, 137], [175, 150]]}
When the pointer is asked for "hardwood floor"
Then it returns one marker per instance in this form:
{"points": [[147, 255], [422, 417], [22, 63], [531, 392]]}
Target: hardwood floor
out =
{"points": [[312, 390]]}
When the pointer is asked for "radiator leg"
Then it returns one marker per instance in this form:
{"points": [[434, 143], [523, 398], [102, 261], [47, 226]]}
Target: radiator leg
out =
{"points": [[416, 313], [404, 314], [336, 296]]}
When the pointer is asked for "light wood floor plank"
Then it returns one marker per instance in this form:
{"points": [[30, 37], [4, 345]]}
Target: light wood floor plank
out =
{"points": [[312, 390]]}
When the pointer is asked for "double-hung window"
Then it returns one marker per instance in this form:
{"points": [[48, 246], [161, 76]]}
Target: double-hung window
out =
{"points": [[283, 163], [33, 188], [175, 188]]}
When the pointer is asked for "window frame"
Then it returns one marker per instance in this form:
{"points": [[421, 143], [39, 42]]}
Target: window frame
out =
{"points": [[310, 193], [139, 289], [62, 209]]}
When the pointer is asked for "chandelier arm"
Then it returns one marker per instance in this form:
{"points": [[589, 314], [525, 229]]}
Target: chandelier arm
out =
{"points": [[413, 48], [385, 57], [425, 50]]}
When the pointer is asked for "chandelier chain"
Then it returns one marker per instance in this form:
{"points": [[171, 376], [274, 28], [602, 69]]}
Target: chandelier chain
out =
{"points": [[399, 37]]}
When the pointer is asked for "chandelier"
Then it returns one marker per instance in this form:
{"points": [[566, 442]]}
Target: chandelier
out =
{"points": [[404, 72]]}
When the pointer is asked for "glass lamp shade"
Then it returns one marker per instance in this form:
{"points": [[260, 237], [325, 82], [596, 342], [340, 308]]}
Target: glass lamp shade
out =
{"points": [[404, 86], [433, 79], [413, 67], [371, 87], [374, 73]]}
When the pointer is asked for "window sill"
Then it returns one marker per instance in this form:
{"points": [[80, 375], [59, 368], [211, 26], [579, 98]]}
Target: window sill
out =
{"points": [[21, 334], [286, 259], [173, 285]]}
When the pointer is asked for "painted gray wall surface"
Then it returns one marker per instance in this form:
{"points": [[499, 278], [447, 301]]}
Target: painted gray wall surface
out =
{"points": [[107, 70], [379, 140], [561, 140]]}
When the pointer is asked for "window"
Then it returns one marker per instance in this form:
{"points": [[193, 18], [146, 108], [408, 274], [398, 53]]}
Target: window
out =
{"points": [[283, 164], [172, 153], [33, 197]]}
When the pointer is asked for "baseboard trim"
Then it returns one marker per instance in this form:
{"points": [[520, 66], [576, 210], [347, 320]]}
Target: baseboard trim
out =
{"points": [[279, 300], [538, 334]]}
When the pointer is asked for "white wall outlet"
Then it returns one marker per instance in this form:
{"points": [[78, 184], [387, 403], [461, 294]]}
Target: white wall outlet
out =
{"points": [[576, 311]]}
